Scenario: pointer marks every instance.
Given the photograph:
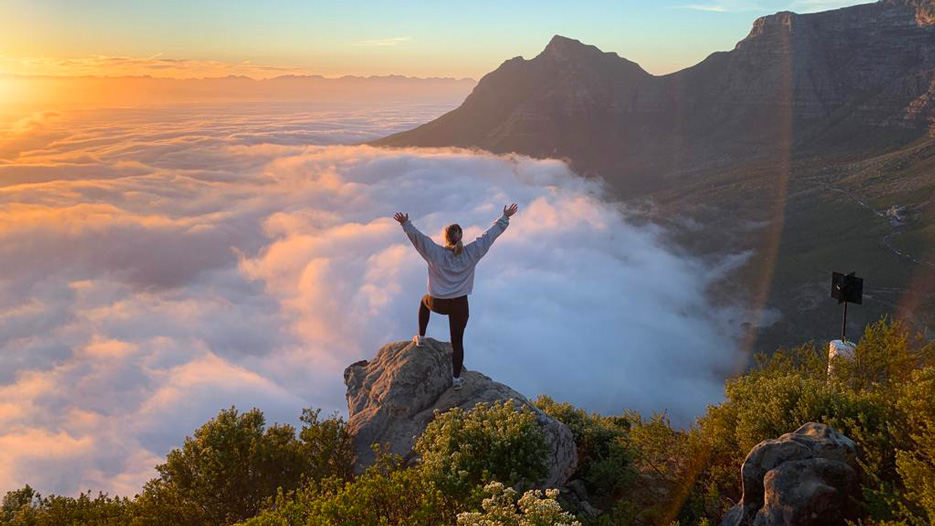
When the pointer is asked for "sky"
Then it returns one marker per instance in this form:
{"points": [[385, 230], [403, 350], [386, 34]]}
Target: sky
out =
{"points": [[185, 39]]}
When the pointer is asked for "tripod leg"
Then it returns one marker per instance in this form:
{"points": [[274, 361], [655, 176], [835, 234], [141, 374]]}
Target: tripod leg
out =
{"points": [[844, 324]]}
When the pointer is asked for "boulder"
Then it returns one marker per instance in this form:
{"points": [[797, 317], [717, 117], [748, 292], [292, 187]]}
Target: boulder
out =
{"points": [[393, 398], [811, 491], [807, 477], [574, 499]]}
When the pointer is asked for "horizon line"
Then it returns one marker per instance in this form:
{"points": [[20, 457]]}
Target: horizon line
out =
{"points": [[310, 76]]}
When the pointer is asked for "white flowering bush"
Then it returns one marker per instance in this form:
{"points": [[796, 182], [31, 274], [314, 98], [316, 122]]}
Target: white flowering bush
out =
{"points": [[534, 508], [463, 450]]}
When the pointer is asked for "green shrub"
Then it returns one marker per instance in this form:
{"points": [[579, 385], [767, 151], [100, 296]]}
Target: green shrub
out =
{"points": [[463, 450], [663, 458], [916, 465], [762, 406], [887, 354], [234, 464], [231, 465], [26, 507], [326, 447], [502, 509], [385, 495], [18, 506], [605, 458]]}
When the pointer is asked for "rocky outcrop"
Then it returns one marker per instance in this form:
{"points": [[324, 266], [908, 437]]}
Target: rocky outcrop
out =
{"points": [[392, 398], [574, 499], [804, 478]]}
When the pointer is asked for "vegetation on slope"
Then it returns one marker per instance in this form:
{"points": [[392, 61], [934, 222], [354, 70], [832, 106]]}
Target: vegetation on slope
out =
{"points": [[479, 465]]}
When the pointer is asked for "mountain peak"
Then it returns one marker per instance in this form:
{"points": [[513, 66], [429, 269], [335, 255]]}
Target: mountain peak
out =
{"points": [[559, 41], [909, 3], [771, 30], [766, 25], [925, 9], [564, 48]]}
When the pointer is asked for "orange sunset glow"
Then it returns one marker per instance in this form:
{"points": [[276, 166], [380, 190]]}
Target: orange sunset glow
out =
{"points": [[428, 263]]}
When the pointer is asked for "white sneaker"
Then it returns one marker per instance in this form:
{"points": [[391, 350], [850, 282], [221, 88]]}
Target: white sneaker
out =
{"points": [[418, 340], [457, 383]]}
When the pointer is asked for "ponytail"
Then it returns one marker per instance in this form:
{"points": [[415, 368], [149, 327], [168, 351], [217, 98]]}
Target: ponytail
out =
{"points": [[453, 239]]}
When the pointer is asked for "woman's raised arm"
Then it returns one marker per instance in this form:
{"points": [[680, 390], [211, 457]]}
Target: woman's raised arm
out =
{"points": [[477, 248], [423, 243]]}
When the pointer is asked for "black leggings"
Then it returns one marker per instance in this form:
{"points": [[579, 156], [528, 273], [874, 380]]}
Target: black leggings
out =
{"points": [[457, 311]]}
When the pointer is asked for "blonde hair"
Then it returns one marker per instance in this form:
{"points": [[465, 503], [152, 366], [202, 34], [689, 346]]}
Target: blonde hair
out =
{"points": [[453, 238]]}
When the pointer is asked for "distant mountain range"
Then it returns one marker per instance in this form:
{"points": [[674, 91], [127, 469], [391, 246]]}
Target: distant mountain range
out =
{"points": [[848, 79], [133, 90], [800, 123]]}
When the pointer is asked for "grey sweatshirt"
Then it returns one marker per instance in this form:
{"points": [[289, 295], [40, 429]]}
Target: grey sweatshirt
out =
{"points": [[452, 276]]}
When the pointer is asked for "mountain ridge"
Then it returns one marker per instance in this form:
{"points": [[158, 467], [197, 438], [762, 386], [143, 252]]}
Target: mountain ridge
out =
{"points": [[796, 81]]}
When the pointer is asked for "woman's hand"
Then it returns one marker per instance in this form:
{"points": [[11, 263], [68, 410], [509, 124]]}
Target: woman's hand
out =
{"points": [[509, 210], [401, 217]]}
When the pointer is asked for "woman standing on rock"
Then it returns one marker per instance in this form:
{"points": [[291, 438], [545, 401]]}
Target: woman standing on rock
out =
{"points": [[451, 279]]}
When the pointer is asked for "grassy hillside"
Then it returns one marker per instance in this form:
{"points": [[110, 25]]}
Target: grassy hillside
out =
{"points": [[804, 219]]}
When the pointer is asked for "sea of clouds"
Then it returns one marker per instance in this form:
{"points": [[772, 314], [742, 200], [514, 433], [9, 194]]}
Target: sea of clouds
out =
{"points": [[158, 265]]}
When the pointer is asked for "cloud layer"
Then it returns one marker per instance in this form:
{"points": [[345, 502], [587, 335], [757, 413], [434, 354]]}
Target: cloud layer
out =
{"points": [[161, 264]]}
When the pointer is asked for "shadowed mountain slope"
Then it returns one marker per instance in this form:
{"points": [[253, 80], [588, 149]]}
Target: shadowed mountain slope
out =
{"points": [[837, 81]]}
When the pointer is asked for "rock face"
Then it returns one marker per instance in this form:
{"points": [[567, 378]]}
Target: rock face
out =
{"points": [[803, 478], [392, 398], [836, 81]]}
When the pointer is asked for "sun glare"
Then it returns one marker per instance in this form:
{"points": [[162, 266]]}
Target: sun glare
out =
{"points": [[9, 91]]}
